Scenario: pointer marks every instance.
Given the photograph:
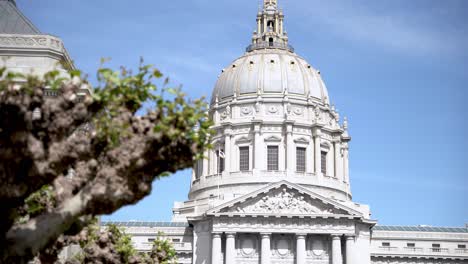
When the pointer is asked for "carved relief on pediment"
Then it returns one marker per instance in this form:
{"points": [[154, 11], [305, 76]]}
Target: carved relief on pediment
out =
{"points": [[283, 201]]}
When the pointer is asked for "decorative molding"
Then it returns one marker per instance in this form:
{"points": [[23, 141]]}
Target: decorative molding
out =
{"points": [[36, 41], [246, 111], [273, 139], [301, 140], [243, 140]]}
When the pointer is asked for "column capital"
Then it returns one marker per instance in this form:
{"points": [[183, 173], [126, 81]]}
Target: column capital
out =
{"points": [[230, 234], [350, 237], [317, 132], [335, 237], [266, 235], [216, 234], [301, 236]]}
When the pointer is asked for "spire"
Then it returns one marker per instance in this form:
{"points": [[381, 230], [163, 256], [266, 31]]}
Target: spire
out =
{"points": [[270, 33]]}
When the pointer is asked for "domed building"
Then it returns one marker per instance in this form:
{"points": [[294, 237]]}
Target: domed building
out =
{"points": [[275, 187]]}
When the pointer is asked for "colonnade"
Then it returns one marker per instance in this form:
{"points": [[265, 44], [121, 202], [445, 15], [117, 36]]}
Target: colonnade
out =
{"points": [[265, 249]]}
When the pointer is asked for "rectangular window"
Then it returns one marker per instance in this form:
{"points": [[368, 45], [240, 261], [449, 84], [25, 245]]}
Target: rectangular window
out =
{"points": [[436, 245], [150, 240], [220, 161], [324, 162], [462, 246], [410, 245], [176, 240], [244, 158], [272, 158], [385, 244], [300, 159], [199, 169]]}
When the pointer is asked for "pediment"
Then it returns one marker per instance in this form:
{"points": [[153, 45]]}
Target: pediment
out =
{"points": [[273, 139], [284, 199]]}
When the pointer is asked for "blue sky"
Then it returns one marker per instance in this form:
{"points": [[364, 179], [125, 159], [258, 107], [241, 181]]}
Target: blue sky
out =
{"points": [[398, 69]]}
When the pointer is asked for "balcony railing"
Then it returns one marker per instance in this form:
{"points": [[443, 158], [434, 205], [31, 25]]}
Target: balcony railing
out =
{"points": [[434, 251], [413, 249], [388, 248], [439, 250], [269, 45]]}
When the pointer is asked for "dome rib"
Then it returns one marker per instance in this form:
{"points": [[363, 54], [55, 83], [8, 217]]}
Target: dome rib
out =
{"points": [[273, 71]]}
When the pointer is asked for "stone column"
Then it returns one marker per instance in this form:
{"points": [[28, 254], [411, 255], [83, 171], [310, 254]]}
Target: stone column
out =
{"points": [[216, 248], [337, 161], [300, 249], [336, 250], [230, 248], [227, 151], [350, 250], [259, 25], [258, 157], [290, 164], [345, 163], [318, 154], [205, 165], [265, 253], [310, 156]]}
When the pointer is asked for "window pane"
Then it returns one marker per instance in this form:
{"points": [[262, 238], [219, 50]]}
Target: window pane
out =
{"points": [[300, 159], [244, 158], [199, 169], [324, 162], [220, 160], [272, 158]]}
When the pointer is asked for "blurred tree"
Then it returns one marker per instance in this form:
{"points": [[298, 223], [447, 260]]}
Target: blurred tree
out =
{"points": [[67, 158]]}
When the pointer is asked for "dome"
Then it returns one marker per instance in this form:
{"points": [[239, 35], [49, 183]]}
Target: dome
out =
{"points": [[270, 71]]}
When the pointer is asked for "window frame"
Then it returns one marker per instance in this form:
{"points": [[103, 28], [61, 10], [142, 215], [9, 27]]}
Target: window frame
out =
{"points": [[304, 159], [241, 164], [277, 157], [220, 162]]}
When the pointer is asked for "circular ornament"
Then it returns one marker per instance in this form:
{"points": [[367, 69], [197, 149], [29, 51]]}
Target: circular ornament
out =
{"points": [[246, 110], [272, 109]]}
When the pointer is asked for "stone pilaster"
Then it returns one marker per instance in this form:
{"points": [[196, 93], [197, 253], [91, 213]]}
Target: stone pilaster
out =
{"points": [[227, 151], [337, 162], [265, 251], [337, 257], [318, 154], [258, 157], [290, 164]]}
